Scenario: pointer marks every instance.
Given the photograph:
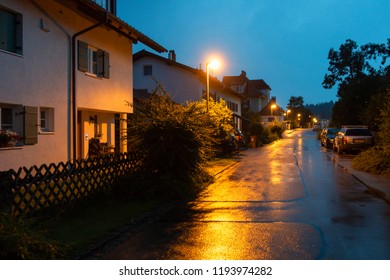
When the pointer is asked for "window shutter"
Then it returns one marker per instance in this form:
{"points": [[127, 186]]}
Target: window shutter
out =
{"points": [[103, 64], [30, 125], [106, 65], [83, 56]]}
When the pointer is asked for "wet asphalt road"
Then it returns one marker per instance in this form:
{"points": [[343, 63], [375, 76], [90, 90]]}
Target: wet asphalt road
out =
{"points": [[287, 200]]}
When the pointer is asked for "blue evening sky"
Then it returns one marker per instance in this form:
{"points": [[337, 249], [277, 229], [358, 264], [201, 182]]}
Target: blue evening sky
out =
{"points": [[284, 42]]}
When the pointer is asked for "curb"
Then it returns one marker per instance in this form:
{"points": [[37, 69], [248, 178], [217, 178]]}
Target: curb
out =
{"points": [[374, 190]]}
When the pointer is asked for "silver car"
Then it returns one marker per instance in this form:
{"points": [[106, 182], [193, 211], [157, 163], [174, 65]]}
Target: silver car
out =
{"points": [[353, 138]]}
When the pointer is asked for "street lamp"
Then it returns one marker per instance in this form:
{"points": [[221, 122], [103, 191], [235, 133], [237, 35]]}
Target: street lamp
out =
{"points": [[213, 64], [272, 108], [288, 111]]}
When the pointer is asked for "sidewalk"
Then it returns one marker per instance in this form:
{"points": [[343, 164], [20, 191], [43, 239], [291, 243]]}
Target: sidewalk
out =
{"points": [[376, 183]]}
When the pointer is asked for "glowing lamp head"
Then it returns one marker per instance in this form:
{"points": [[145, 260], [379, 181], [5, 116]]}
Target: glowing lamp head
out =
{"points": [[214, 64]]}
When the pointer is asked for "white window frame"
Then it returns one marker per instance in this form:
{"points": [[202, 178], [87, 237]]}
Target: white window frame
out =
{"points": [[92, 60], [46, 120]]}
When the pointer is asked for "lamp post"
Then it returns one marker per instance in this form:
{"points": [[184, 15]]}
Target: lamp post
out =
{"points": [[288, 111], [213, 64], [272, 108]]}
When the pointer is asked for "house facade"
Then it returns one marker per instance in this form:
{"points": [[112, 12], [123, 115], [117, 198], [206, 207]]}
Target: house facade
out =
{"points": [[256, 92], [65, 76], [272, 112], [181, 82]]}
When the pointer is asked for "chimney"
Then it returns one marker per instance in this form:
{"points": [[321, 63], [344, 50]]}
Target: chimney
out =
{"points": [[243, 73], [273, 99], [172, 55]]}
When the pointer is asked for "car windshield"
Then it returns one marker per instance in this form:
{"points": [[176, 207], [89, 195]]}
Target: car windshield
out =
{"points": [[332, 131], [358, 132]]}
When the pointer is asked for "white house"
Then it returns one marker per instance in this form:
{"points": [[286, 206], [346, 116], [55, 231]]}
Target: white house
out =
{"points": [[65, 77], [272, 112], [256, 92], [181, 82]]}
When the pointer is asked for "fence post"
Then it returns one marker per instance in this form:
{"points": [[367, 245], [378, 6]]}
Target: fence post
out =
{"points": [[5, 192]]}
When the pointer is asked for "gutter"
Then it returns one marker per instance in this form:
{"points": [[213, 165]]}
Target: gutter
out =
{"points": [[73, 98]]}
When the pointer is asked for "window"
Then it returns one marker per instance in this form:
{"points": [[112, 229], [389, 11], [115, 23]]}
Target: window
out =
{"points": [[93, 60], [148, 70], [6, 118], [47, 119], [232, 106], [10, 31], [21, 119]]}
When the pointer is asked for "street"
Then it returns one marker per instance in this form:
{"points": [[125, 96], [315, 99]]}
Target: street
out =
{"points": [[287, 200]]}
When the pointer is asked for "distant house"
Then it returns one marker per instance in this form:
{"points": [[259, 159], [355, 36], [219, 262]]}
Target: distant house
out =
{"points": [[271, 112], [256, 92], [65, 75], [181, 82]]}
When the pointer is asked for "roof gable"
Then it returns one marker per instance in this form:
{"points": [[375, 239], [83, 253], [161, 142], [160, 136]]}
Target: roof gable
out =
{"points": [[214, 82], [268, 111], [253, 88]]}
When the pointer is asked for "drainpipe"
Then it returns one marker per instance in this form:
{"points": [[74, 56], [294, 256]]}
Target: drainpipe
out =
{"points": [[74, 109]]}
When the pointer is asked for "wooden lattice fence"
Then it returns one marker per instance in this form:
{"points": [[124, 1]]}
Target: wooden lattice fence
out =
{"points": [[28, 190]]}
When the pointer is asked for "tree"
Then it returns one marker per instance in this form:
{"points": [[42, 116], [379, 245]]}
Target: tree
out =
{"points": [[351, 69], [345, 65], [295, 102], [300, 115]]}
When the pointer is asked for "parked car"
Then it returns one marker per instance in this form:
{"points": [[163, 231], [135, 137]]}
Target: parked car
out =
{"points": [[353, 138], [327, 136], [317, 127]]}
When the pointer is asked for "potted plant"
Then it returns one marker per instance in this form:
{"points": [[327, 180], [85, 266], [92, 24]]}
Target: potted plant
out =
{"points": [[8, 138]]}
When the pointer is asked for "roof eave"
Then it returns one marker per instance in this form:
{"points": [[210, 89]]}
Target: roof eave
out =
{"points": [[94, 12]]}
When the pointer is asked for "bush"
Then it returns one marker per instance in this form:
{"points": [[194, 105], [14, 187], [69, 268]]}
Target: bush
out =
{"points": [[276, 128], [375, 160], [176, 141], [19, 241]]}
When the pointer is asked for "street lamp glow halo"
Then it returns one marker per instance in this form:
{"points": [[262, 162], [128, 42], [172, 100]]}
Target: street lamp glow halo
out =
{"points": [[214, 64]]}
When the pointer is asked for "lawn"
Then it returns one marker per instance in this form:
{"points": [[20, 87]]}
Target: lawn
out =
{"points": [[72, 230], [88, 222]]}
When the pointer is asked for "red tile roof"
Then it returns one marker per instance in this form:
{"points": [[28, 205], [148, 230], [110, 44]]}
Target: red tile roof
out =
{"points": [[252, 87]]}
